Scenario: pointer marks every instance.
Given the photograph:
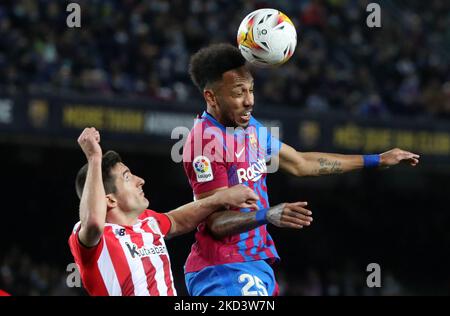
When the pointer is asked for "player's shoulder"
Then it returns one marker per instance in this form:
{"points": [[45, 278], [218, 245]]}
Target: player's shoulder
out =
{"points": [[158, 222], [204, 126], [149, 213], [202, 133], [255, 122], [146, 213], [199, 123], [76, 228], [197, 130]]}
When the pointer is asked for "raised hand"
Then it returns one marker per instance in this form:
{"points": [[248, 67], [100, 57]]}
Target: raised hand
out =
{"points": [[89, 142]]}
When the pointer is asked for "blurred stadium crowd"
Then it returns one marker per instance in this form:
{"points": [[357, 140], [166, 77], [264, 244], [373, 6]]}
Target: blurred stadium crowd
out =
{"points": [[137, 48], [20, 275], [142, 48]]}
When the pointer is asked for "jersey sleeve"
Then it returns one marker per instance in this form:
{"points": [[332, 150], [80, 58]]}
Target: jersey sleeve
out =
{"points": [[204, 166], [83, 255], [163, 220]]}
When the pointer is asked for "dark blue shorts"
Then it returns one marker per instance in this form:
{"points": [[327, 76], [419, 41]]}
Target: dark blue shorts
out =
{"points": [[252, 278]]}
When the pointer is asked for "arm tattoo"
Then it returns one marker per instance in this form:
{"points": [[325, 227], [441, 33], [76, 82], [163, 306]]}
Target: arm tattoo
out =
{"points": [[274, 214], [328, 166]]}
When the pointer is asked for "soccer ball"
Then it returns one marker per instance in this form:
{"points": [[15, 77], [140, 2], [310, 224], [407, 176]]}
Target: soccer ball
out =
{"points": [[267, 37]]}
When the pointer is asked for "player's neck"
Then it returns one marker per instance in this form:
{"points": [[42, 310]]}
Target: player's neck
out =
{"points": [[119, 217], [214, 113]]}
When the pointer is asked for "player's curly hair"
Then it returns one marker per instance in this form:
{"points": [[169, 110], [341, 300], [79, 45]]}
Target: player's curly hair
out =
{"points": [[109, 160], [209, 63]]}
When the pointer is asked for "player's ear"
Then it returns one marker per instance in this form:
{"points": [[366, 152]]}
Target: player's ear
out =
{"points": [[209, 96], [111, 201]]}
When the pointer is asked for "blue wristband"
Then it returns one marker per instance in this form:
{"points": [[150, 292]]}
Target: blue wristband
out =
{"points": [[261, 216], [371, 161]]}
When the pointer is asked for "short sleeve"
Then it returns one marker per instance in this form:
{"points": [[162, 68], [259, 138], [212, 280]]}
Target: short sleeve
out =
{"points": [[163, 220], [204, 166], [84, 256]]}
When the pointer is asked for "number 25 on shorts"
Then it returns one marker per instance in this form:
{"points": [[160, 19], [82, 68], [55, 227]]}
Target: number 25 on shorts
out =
{"points": [[253, 286]]}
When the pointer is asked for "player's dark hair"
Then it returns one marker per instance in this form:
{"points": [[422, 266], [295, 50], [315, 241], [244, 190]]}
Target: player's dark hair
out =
{"points": [[209, 63], [109, 160]]}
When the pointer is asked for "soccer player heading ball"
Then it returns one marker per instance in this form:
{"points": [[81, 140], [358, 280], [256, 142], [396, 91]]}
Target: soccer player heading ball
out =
{"points": [[228, 146]]}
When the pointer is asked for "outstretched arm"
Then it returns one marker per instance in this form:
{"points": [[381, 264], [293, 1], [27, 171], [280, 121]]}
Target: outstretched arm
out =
{"points": [[317, 164], [93, 203], [187, 217], [289, 215]]}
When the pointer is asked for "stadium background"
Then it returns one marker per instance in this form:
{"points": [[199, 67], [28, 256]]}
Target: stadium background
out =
{"points": [[348, 88]]}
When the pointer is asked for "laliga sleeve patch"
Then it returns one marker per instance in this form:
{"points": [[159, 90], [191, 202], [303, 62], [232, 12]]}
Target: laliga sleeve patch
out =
{"points": [[203, 169]]}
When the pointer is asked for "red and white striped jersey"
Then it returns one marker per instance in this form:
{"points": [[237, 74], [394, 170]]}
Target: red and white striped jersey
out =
{"points": [[3, 293], [128, 260]]}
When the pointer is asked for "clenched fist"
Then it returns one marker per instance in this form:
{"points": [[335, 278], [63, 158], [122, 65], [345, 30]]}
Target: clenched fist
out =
{"points": [[89, 142], [238, 196]]}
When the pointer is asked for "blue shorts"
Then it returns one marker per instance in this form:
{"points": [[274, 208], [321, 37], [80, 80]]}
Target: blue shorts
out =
{"points": [[252, 278]]}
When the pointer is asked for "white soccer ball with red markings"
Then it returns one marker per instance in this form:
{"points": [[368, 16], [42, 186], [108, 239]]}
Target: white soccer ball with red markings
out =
{"points": [[267, 37]]}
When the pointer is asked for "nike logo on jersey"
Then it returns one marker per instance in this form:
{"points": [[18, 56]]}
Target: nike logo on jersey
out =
{"points": [[240, 153]]}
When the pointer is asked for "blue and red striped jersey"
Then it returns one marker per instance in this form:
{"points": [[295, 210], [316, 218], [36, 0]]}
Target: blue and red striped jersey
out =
{"points": [[216, 157]]}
